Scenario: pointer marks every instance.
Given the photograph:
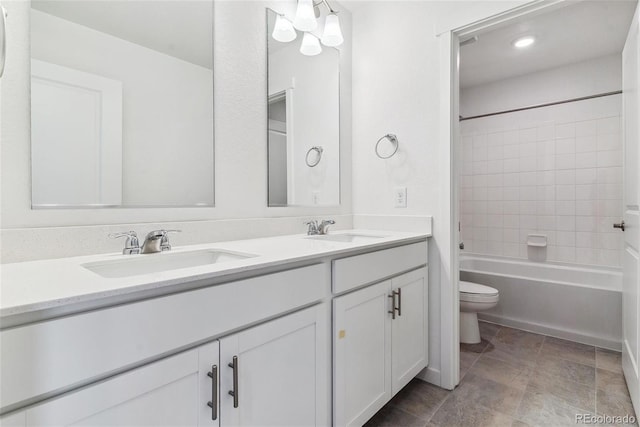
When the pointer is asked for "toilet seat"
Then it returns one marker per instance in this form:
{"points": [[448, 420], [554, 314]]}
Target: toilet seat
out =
{"points": [[474, 292]]}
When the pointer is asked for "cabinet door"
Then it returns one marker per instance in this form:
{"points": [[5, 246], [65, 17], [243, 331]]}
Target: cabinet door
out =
{"points": [[409, 333], [17, 419], [171, 392], [362, 354], [282, 372]]}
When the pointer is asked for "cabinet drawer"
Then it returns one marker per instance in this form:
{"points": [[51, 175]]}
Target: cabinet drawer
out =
{"points": [[351, 272], [48, 356]]}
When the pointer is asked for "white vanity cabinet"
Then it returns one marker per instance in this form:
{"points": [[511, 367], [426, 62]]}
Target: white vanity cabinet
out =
{"points": [[279, 377], [281, 372], [380, 344], [173, 392]]}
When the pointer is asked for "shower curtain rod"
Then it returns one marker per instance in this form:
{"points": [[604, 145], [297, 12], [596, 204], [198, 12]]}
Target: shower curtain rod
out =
{"points": [[548, 104]]}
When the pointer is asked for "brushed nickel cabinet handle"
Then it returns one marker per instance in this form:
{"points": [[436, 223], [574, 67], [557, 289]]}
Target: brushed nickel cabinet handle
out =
{"points": [[234, 365], [214, 392], [399, 308], [393, 305], [620, 226]]}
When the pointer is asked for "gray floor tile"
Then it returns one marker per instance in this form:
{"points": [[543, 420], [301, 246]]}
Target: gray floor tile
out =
{"points": [[544, 409], [420, 399], [515, 346], [391, 416], [565, 369], [457, 411], [611, 382], [609, 360], [613, 404], [488, 330], [507, 373], [581, 353], [490, 394], [576, 394]]}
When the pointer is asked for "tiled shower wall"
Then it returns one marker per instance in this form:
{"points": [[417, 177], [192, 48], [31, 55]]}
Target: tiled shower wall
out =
{"points": [[554, 171]]}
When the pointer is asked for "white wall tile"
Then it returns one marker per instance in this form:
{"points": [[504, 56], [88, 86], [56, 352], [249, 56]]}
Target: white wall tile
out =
{"points": [[563, 180]]}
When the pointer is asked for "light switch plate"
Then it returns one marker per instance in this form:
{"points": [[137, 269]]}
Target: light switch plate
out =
{"points": [[400, 197]]}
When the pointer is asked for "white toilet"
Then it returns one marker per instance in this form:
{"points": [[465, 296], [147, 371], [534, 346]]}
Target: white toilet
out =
{"points": [[474, 298]]}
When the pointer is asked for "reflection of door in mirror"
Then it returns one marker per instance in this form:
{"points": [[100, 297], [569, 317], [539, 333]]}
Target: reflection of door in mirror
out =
{"points": [[304, 121], [122, 103], [278, 149]]}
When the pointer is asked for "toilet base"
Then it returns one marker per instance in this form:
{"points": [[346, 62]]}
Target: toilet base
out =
{"points": [[469, 329]]}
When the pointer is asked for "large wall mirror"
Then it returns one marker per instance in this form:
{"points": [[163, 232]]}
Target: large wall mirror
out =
{"points": [[122, 103], [304, 123]]}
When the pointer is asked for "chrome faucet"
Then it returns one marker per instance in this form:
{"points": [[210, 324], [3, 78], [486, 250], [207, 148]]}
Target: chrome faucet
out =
{"points": [[131, 245], [157, 241], [321, 228]]}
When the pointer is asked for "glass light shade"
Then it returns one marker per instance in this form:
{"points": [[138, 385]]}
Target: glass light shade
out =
{"points": [[332, 35], [283, 30], [310, 45], [305, 19]]}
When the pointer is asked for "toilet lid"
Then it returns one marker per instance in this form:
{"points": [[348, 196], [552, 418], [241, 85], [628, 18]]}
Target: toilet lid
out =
{"points": [[477, 289]]}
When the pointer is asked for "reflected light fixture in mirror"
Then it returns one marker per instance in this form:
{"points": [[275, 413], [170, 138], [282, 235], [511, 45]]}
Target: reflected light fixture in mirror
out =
{"points": [[305, 19], [332, 35], [283, 30], [310, 45]]}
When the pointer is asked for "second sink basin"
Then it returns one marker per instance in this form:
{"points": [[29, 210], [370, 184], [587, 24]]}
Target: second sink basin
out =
{"points": [[153, 263], [347, 238]]}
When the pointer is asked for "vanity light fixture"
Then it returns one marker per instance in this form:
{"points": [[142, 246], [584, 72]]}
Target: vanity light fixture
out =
{"points": [[332, 35], [283, 30], [523, 42], [310, 45], [305, 19]]}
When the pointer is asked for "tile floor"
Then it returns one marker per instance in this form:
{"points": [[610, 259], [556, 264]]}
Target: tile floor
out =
{"points": [[516, 378]]}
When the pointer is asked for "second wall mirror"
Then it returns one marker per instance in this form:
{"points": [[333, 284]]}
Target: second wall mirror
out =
{"points": [[304, 118]]}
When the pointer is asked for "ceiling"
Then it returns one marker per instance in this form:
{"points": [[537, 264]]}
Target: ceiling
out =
{"points": [[577, 32], [182, 29]]}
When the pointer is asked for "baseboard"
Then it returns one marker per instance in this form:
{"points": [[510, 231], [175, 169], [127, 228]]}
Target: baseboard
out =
{"points": [[430, 375], [598, 341], [631, 376]]}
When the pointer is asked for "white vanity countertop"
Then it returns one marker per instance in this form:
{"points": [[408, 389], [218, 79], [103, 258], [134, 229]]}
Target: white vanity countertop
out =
{"points": [[44, 285]]}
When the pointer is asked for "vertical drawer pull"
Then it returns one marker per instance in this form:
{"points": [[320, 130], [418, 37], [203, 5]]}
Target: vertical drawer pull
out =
{"points": [[234, 365], [214, 392], [393, 305], [399, 308]]}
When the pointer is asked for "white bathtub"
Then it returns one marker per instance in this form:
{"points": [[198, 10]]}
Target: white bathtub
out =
{"points": [[582, 304]]}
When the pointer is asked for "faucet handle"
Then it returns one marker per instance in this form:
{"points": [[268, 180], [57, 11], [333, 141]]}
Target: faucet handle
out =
{"points": [[164, 243], [131, 245], [313, 227]]}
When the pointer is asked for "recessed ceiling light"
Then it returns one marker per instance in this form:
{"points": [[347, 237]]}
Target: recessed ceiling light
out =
{"points": [[524, 42]]}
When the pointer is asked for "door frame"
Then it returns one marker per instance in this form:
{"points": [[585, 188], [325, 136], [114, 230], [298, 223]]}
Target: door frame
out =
{"points": [[449, 49]]}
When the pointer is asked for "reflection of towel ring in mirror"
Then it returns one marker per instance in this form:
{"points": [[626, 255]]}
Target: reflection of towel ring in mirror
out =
{"points": [[313, 164], [392, 139]]}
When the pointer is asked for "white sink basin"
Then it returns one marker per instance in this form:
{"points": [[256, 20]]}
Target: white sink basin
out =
{"points": [[153, 263], [347, 238]]}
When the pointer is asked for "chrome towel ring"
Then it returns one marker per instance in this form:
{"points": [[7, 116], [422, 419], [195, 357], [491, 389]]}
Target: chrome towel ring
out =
{"points": [[393, 140], [313, 163]]}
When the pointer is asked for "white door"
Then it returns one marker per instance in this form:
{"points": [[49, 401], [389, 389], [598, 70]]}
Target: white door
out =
{"points": [[362, 354], [409, 329], [631, 256], [277, 372], [171, 392], [76, 137]]}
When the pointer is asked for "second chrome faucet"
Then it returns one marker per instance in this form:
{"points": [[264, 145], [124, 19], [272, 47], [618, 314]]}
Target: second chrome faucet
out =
{"points": [[316, 228], [155, 241]]}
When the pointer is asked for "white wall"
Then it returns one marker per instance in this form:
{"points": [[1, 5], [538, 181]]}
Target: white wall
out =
{"points": [[586, 78], [316, 116], [240, 148], [167, 146], [555, 171], [397, 88]]}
